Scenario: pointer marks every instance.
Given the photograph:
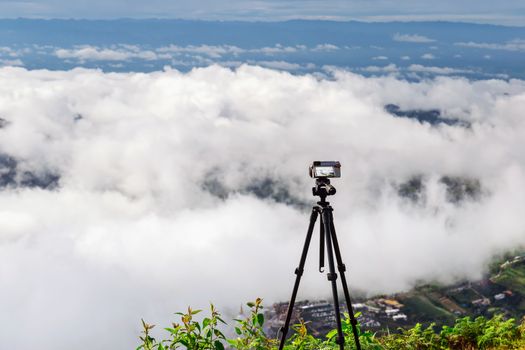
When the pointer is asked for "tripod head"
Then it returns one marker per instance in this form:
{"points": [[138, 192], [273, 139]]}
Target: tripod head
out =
{"points": [[323, 189], [321, 171]]}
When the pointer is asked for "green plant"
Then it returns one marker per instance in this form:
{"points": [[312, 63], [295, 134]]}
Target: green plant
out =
{"points": [[301, 339], [415, 338], [480, 333], [466, 334], [250, 330], [498, 333], [366, 339], [148, 342], [191, 334]]}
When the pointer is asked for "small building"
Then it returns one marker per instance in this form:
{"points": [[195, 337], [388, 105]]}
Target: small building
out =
{"points": [[399, 317], [392, 303], [481, 301], [391, 312], [358, 306], [373, 309], [499, 296]]}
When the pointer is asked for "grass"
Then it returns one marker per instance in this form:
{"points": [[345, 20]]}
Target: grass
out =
{"points": [[513, 278], [423, 306], [496, 333]]}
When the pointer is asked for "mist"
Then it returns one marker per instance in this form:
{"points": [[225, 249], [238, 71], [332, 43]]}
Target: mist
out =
{"points": [[132, 195]]}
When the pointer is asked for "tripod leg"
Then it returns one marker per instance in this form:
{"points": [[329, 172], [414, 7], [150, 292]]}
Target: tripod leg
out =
{"points": [[342, 268], [299, 273], [321, 246], [332, 276]]}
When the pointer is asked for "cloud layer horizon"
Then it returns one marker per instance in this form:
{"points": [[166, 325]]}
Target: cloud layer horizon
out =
{"points": [[133, 195]]}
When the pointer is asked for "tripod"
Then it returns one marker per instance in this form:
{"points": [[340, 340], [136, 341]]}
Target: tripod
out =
{"points": [[323, 189]]}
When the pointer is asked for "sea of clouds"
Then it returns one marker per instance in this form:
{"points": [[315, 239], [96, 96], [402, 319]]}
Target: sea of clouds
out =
{"points": [[174, 189]]}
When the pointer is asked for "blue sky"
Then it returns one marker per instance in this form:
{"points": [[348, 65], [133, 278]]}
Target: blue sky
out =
{"points": [[486, 11]]}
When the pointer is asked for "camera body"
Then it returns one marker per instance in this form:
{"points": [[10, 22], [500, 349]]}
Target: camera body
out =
{"points": [[325, 169], [322, 171]]}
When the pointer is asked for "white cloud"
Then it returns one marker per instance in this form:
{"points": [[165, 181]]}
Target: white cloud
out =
{"points": [[512, 45], [405, 58], [428, 56], [205, 54], [281, 65], [11, 62], [93, 53], [436, 70], [391, 68], [380, 58], [277, 49], [222, 50], [135, 230], [412, 38], [325, 47], [209, 50], [7, 51]]}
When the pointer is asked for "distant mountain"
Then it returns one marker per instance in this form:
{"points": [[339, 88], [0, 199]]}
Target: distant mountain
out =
{"points": [[409, 49], [500, 293], [156, 32]]}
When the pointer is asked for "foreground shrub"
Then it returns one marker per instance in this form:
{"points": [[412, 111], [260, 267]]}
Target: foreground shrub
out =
{"points": [[416, 338], [469, 334], [250, 330], [188, 335]]}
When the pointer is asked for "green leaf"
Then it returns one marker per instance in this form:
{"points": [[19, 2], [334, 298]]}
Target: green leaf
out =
{"points": [[171, 330], [332, 334], [238, 331], [207, 333], [218, 333], [218, 345], [260, 319]]}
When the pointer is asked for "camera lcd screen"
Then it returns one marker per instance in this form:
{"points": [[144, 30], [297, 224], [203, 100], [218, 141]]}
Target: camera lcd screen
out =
{"points": [[324, 171]]}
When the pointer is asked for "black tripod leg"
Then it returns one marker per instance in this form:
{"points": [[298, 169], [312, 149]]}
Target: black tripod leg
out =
{"points": [[332, 276], [321, 247], [342, 268], [299, 273]]}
